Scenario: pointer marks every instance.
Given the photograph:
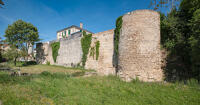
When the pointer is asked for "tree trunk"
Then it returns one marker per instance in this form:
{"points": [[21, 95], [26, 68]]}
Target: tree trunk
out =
{"points": [[15, 61]]}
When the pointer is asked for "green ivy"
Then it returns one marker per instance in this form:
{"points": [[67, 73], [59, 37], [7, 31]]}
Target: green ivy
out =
{"points": [[97, 49], [85, 44], [117, 34], [92, 52], [55, 47]]}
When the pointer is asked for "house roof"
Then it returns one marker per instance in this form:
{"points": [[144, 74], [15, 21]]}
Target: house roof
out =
{"points": [[73, 27]]}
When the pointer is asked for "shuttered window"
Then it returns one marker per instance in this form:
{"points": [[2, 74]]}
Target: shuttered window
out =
{"points": [[65, 33], [69, 32]]}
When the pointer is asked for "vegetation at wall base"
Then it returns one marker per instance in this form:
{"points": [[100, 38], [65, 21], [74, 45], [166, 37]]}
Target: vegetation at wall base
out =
{"points": [[62, 88], [117, 34], [85, 44], [97, 44], [55, 47]]}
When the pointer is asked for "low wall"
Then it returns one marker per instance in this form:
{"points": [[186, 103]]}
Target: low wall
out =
{"points": [[103, 65]]}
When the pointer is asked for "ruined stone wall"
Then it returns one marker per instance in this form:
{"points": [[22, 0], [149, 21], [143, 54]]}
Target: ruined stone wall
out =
{"points": [[70, 52], [44, 53], [139, 49], [139, 46], [103, 65]]}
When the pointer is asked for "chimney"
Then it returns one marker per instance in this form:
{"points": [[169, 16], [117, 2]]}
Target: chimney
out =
{"points": [[81, 25]]}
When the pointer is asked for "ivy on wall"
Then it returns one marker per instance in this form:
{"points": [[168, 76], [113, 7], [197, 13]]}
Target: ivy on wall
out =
{"points": [[97, 49], [92, 52], [55, 47], [85, 44], [117, 34]]}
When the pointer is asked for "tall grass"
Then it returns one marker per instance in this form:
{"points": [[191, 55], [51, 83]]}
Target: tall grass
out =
{"points": [[64, 89]]}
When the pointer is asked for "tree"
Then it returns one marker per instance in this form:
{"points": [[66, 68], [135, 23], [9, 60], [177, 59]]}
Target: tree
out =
{"points": [[12, 54], [0, 50], [156, 4], [1, 3], [21, 35], [180, 35], [194, 41]]}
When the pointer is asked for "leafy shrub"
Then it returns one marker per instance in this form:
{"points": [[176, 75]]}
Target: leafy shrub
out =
{"points": [[48, 63], [117, 34], [97, 49], [29, 63], [92, 52], [55, 47], [85, 44]]}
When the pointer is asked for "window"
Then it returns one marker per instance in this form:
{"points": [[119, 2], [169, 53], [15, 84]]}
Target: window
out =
{"points": [[62, 34], [65, 33], [69, 32]]}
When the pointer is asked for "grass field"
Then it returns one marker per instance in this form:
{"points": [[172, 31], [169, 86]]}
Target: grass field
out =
{"points": [[60, 87]]}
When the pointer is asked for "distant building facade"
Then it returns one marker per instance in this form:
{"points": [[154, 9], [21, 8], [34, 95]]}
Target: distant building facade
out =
{"points": [[72, 30]]}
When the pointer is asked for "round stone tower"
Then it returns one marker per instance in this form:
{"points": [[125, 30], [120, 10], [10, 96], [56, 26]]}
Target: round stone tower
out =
{"points": [[139, 46]]}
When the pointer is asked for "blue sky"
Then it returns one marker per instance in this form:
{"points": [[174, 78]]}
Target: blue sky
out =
{"points": [[52, 15]]}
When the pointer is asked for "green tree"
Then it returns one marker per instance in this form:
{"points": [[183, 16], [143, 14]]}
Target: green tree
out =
{"points": [[21, 35], [180, 36], [194, 41], [156, 4], [0, 50], [1, 3], [12, 54]]}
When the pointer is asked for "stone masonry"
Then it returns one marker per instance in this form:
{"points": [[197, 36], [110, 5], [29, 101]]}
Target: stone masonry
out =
{"points": [[139, 46], [139, 49], [103, 65], [70, 52], [44, 53]]}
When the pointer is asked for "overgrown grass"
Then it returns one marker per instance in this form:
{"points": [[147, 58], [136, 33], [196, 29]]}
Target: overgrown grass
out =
{"points": [[64, 89], [37, 69]]}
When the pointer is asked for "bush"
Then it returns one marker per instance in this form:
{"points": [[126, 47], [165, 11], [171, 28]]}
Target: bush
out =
{"points": [[29, 63], [97, 49], [117, 34], [85, 44], [48, 63], [55, 47]]}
